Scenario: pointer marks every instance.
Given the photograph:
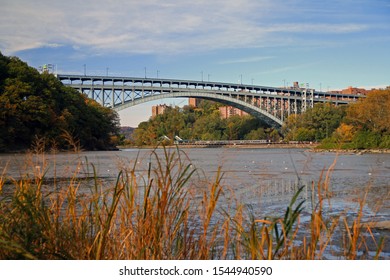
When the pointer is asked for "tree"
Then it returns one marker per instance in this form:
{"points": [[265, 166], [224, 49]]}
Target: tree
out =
{"points": [[370, 119], [203, 123], [38, 105], [316, 123], [344, 133], [371, 113], [256, 134]]}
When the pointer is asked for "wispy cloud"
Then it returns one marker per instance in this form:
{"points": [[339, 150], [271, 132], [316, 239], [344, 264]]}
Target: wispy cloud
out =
{"points": [[152, 26], [285, 69], [251, 59], [319, 28]]}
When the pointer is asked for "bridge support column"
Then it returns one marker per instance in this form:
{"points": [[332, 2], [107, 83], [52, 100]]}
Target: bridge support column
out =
{"points": [[304, 104], [282, 109], [112, 97], [102, 95], [295, 107], [311, 98]]}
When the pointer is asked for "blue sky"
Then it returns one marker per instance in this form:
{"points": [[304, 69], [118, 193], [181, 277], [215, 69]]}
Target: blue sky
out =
{"points": [[329, 44]]}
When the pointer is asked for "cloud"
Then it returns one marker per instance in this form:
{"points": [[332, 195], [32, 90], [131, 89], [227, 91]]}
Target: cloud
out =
{"points": [[150, 26], [285, 69], [246, 60], [319, 28]]}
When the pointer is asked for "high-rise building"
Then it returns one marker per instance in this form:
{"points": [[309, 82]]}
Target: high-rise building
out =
{"points": [[194, 102], [229, 111], [158, 109]]}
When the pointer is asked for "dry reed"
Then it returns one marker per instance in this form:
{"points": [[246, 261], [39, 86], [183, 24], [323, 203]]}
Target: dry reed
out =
{"points": [[156, 216]]}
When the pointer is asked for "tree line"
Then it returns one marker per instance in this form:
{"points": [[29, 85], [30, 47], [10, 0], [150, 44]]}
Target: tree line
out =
{"points": [[361, 125], [38, 106], [201, 123], [364, 124]]}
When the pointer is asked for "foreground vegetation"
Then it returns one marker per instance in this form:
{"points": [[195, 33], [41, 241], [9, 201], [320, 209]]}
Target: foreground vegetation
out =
{"points": [[38, 106], [168, 212]]}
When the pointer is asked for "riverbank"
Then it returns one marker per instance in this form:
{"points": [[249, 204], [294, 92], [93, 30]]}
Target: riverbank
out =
{"points": [[310, 147], [242, 146], [352, 151]]}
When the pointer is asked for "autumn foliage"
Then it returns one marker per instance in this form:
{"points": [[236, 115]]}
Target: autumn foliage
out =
{"points": [[361, 125], [369, 119], [371, 113]]}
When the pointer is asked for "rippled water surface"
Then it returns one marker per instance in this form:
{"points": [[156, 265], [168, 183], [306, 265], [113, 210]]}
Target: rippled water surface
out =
{"points": [[265, 179]]}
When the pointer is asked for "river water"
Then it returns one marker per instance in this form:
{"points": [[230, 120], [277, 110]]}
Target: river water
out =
{"points": [[264, 179]]}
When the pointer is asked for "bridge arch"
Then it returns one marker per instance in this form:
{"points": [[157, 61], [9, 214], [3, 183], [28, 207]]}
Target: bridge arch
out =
{"points": [[270, 104], [227, 100]]}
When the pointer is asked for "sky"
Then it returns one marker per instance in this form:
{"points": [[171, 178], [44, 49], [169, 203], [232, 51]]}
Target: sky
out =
{"points": [[329, 44]]}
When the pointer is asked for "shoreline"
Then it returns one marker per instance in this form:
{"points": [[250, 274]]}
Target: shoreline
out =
{"points": [[352, 151], [310, 147], [244, 146]]}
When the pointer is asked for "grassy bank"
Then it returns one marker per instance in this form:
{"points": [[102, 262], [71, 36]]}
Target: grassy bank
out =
{"points": [[170, 211]]}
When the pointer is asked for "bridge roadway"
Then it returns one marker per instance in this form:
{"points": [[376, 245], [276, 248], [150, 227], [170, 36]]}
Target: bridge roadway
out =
{"points": [[270, 104]]}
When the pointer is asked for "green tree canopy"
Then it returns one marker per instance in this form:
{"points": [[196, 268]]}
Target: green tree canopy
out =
{"points": [[202, 123], [38, 105], [315, 124]]}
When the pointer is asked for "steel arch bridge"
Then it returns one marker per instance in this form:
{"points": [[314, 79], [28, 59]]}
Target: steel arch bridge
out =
{"points": [[270, 104]]}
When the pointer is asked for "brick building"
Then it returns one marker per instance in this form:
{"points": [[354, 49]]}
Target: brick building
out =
{"points": [[352, 90], [229, 111], [158, 109], [194, 102]]}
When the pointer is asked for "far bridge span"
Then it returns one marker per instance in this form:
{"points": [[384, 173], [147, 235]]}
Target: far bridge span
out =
{"points": [[270, 104]]}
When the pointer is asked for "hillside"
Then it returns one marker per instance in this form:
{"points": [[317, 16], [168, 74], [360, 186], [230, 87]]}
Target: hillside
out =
{"points": [[37, 107]]}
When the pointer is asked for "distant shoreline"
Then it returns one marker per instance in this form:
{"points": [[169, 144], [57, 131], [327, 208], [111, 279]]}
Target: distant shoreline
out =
{"points": [[245, 146], [310, 147], [353, 151]]}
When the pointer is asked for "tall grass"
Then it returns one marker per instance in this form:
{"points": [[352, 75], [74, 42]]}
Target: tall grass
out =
{"points": [[165, 213]]}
